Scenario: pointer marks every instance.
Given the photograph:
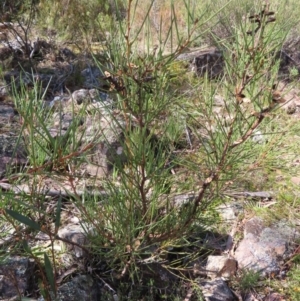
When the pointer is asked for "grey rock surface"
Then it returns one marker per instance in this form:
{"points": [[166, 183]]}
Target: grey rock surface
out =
{"points": [[15, 276], [230, 211], [81, 96], [264, 247], [82, 287], [75, 234], [221, 266], [92, 76], [216, 290], [211, 61]]}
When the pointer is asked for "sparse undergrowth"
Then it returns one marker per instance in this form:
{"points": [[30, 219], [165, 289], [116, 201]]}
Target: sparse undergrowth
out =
{"points": [[173, 142]]}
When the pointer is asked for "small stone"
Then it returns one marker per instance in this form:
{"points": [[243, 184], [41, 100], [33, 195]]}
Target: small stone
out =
{"points": [[250, 297], [258, 137], [81, 287], [262, 247], [291, 108], [81, 96], [76, 234], [219, 101], [216, 290], [221, 266], [15, 270], [296, 180], [230, 211], [275, 297]]}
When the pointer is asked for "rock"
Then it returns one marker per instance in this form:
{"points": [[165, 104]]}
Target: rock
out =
{"points": [[211, 63], [203, 61], [58, 103], [66, 54], [3, 93], [221, 266], [295, 180], [61, 122], [250, 297], [291, 108], [81, 96], [16, 276], [219, 101], [263, 248], [76, 234], [17, 45], [6, 112], [230, 211], [275, 297], [290, 95], [5, 54], [7, 25], [156, 273], [93, 99], [95, 95], [81, 287], [289, 59], [8, 161], [99, 97], [92, 77], [105, 129], [216, 290]]}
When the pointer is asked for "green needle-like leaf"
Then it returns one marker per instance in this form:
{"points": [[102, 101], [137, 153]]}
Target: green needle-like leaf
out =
{"points": [[23, 219], [49, 272], [58, 211]]}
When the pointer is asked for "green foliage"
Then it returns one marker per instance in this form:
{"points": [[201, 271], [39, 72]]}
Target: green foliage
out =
{"points": [[58, 215], [294, 73], [248, 280], [223, 25], [294, 283], [49, 273], [79, 19], [138, 212], [14, 9], [29, 104], [23, 219]]}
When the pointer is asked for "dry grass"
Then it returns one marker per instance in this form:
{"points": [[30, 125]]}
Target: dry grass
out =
{"points": [[160, 17], [82, 20], [222, 18]]}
